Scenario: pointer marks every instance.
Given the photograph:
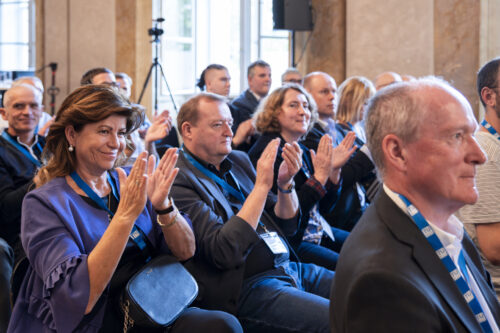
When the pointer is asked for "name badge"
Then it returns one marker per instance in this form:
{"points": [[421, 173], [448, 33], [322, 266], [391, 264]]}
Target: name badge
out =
{"points": [[274, 243]]}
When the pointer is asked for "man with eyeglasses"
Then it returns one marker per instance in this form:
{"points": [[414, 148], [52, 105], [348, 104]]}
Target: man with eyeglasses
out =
{"points": [[291, 75], [20, 156], [482, 220]]}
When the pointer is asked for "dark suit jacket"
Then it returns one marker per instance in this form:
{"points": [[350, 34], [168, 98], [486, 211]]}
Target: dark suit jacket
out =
{"points": [[16, 179], [223, 240], [243, 108], [358, 168], [389, 279]]}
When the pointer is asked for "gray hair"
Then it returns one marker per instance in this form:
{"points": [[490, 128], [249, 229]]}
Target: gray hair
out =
{"points": [[399, 109], [8, 94], [290, 70]]}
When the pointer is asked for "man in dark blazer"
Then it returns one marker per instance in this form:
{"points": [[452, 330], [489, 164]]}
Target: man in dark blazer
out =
{"points": [[242, 259], [259, 83], [359, 168], [244, 106], [389, 276]]}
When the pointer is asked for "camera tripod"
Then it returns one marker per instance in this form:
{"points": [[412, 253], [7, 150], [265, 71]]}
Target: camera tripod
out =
{"points": [[155, 67]]}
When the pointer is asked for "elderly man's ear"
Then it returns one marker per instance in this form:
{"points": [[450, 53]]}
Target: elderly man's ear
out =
{"points": [[3, 112], [394, 152]]}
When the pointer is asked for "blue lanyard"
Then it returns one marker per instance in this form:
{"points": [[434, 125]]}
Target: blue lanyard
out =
{"points": [[231, 190], [442, 254], [234, 192], [135, 234], [490, 129], [22, 149]]}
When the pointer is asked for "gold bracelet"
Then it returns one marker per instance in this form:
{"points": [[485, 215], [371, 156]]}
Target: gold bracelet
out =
{"points": [[170, 223]]}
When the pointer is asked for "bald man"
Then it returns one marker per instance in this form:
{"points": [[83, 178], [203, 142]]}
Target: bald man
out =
{"points": [[359, 169], [20, 155], [386, 78]]}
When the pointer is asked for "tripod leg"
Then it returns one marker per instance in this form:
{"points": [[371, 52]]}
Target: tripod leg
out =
{"points": [[145, 83], [168, 87]]}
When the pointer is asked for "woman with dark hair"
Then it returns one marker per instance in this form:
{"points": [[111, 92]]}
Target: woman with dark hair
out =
{"points": [[88, 227], [289, 113]]}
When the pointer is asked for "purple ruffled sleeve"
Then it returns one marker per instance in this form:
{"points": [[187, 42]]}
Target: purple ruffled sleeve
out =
{"points": [[50, 237]]}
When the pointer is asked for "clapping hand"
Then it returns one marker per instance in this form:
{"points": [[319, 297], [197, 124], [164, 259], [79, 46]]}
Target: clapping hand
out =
{"points": [[322, 160], [244, 132], [133, 190], [292, 162], [341, 155], [265, 165], [344, 150], [160, 127], [161, 178]]}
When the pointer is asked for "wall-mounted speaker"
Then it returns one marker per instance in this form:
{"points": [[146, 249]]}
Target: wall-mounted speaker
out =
{"points": [[292, 15]]}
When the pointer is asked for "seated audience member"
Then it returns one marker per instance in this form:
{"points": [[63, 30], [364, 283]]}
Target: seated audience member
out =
{"points": [[163, 124], [353, 97], [99, 75], [291, 75], [354, 94], [76, 224], [386, 78], [20, 155], [45, 119], [215, 79], [124, 83], [242, 260], [288, 113], [482, 220], [151, 132], [259, 83], [358, 169], [408, 265], [244, 106]]}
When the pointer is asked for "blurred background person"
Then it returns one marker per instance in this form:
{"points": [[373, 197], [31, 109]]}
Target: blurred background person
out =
{"points": [[291, 75]]}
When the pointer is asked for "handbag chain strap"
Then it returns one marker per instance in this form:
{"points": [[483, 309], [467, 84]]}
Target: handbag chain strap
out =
{"points": [[128, 322]]}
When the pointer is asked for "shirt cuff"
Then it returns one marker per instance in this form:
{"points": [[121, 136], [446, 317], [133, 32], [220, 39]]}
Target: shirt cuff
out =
{"points": [[316, 185]]}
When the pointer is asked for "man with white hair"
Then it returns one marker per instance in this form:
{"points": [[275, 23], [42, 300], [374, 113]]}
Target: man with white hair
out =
{"points": [[20, 155], [409, 263], [482, 220], [45, 119]]}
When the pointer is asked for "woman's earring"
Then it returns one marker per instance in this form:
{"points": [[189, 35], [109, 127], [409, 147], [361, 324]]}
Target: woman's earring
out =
{"points": [[71, 148]]}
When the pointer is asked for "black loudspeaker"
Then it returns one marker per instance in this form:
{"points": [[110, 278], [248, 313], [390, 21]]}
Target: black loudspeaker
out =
{"points": [[292, 15]]}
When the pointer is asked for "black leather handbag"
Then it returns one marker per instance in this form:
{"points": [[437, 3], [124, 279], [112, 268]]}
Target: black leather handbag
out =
{"points": [[157, 294]]}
